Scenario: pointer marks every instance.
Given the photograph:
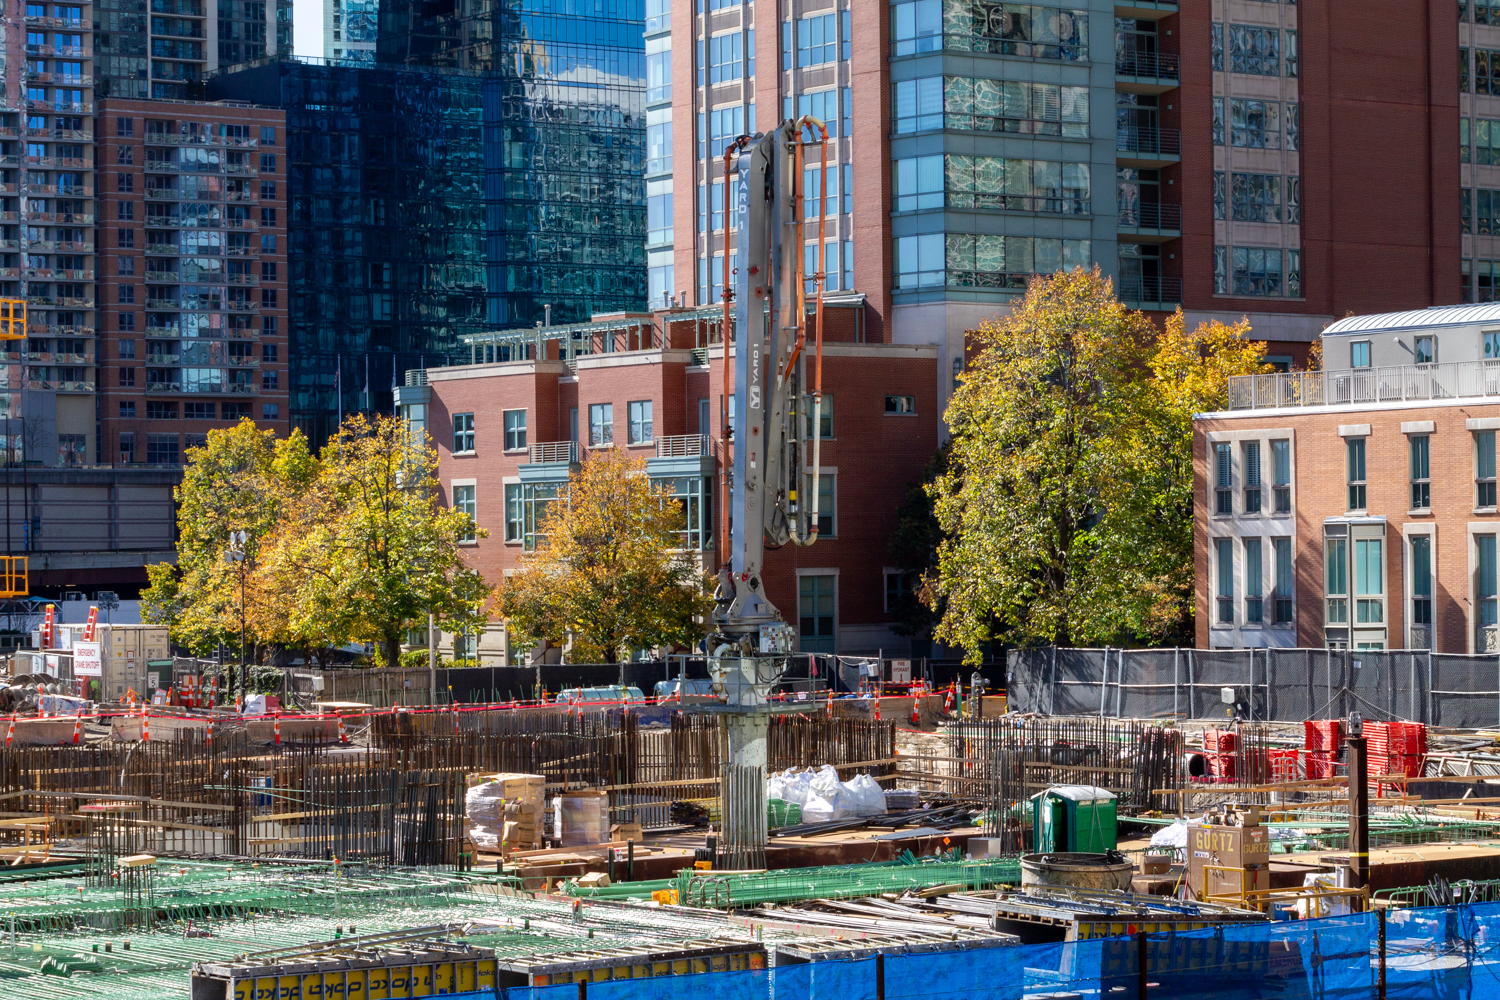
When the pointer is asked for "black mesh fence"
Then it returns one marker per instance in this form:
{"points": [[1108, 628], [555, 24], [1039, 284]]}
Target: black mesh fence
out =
{"points": [[1272, 685]]}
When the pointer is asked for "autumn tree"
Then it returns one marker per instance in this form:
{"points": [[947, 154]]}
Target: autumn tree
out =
{"points": [[610, 574], [1066, 507], [242, 479], [370, 550]]}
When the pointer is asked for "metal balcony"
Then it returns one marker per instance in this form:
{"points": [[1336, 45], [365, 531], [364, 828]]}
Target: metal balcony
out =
{"points": [[1150, 292], [1147, 146], [1367, 386], [1151, 220], [1147, 72], [553, 452], [682, 446]]}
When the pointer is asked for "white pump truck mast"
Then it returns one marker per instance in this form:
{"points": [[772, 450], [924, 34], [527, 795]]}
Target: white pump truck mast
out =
{"points": [[773, 488]]}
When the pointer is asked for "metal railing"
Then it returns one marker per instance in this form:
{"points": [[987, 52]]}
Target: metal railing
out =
{"points": [[548, 452], [1151, 215], [681, 446], [1138, 288], [1159, 65], [1359, 386], [1148, 140]]}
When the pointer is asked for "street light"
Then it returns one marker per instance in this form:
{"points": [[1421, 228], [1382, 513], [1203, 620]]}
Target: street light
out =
{"points": [[236, 554]]}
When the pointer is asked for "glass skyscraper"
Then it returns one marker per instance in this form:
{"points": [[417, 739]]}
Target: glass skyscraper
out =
{"points": [[565, 130], [386, 225]]}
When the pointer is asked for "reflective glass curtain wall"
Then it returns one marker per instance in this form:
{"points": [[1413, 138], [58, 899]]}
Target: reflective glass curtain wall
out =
{"points": [[565, 131], [386, 226]]}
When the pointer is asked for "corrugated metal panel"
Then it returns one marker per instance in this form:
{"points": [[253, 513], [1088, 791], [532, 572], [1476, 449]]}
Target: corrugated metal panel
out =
{"points": [[1464, 315]]}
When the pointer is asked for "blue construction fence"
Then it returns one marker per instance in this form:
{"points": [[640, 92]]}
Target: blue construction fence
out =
{"points": [[1428, 953]]}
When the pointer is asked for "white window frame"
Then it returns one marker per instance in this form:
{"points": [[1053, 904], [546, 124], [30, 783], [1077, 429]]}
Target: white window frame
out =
{"points": [[506, 485], [454, 485], [472, 439], [837, 593], [830, 473], [505, 423], [609, 424], [631, 439]]}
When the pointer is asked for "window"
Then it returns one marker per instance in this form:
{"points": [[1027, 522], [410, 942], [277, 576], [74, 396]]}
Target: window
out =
{"points": [[127, 409], [463, 432], [1254, 50], [1369, 581], [270, 411], [1424, 350], [127, 322], [127, 377], [1485, 584], [161, 449], [1257, 198], [1484, 469], [901, 405], [268, 217], [268, 162], [1253, 586], [919, 104], [724, 58], [1421, 481], [898, 590], [197, 411], [1281, 472], [127, 265], [160, 411], [1257, 271], [916, 27], [1336, 581], [825, 418], [962, 260], [1486, 71], [125, 210], [268, 298], [817, 40], [827, 521], [1421, 584], [1282, 552], [513, 518], [918, 183], [1254, 124], [1252, 477], [463, 502], [1223, 479], [268, 135], [270, 380], [1218, 126], [1224, 554], [125, 127], [268, 270], [815, 605], [127, 294], [515, 430], [126, 238], [694, 511], [125, 183], [601, 424], [1359, 354], [1216, 47], [640, 429], [536, 505], [982, 105], [1354, 465]]}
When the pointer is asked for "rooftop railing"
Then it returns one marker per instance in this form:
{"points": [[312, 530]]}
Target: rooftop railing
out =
{"points": [[1366, 386]]}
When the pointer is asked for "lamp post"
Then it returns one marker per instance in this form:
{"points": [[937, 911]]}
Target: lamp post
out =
{"points": [[236, 554]]}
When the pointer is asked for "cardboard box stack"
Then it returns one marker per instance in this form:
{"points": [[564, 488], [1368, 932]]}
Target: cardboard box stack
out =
{"points": [[505, 811], [1229, 853]]}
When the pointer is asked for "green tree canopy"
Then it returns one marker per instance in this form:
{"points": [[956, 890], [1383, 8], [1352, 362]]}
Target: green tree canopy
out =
{"points": [[1066, 507], [609, 575]]}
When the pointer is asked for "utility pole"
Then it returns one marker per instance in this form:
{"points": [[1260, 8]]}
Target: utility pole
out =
{"points": [[432, 640], [236, 553]]}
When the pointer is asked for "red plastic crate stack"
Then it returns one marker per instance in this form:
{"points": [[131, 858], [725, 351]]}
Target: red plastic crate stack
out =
{"points": [[1284, 765], [1219, 746], [1323, 738], [1395, 748]]}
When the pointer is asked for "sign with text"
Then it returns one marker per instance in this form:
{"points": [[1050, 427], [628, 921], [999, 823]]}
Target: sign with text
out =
{"points": [[88, 661]]}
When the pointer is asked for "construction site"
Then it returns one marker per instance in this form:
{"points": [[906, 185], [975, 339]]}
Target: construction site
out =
{"points": [[1240, 825]]}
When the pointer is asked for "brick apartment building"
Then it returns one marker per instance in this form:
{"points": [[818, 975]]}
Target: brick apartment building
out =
{"points": [[1233, 157], [192, 249], [1356, 507], [509, 432]]}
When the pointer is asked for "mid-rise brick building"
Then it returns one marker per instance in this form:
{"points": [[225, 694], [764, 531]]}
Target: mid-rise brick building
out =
{"points": [[193, 278], [509, 432], [1356, 507]]}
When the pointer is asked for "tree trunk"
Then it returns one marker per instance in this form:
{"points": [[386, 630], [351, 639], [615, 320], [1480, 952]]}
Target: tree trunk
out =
{"points": [[392, 646]]}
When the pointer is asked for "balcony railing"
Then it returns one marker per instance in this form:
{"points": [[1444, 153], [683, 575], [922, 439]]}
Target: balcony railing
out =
{"points": [[1151, 215], [1156, 65], [1366, 386], [1138, 288], [1148, 141], [550, 452], [681, 446]]}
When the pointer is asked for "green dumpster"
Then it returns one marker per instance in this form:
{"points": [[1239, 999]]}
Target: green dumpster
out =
{"points": [[1073, 818]]}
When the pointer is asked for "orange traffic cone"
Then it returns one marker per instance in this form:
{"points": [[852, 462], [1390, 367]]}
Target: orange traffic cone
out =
{"points": [[343, 736], [145, 725], [916, 715], [78, 728], [41, 710], [877, 708], [10, 733], [948, 701], [210, 736], [276, 728]]}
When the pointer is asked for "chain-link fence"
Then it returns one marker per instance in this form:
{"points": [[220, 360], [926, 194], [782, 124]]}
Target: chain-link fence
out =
{"points": [[1271, 685]]}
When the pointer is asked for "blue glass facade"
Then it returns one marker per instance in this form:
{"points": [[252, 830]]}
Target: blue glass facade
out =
{"points": [[565, 131], [386, 225]]}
